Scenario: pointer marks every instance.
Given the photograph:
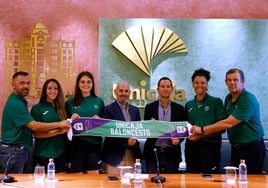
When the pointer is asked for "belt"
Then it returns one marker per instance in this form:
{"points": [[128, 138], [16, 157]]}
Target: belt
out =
{"points": [[10, 145], [238, 145]]}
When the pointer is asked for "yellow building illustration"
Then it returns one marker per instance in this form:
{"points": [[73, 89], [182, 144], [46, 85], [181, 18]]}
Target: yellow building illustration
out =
{"points": [[42, 58]]}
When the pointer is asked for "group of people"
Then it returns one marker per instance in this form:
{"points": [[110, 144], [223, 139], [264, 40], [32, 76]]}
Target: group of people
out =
{"points": [[46, 122]]}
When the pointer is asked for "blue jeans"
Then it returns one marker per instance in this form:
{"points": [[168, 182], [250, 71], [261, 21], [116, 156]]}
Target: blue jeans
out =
{"points": [[13, 159]]}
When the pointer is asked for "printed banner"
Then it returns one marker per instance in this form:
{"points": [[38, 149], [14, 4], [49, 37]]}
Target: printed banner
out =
{"points": [[140, 129]]}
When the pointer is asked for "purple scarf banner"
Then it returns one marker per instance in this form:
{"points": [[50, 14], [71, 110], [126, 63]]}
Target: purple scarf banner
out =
{"points": [[86, 126]]}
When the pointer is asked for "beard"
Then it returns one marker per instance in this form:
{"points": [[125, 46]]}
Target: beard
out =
{"points": [[25, 92]]}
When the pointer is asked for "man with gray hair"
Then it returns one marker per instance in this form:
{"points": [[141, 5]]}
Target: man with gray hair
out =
{"points": [[243, 124]]}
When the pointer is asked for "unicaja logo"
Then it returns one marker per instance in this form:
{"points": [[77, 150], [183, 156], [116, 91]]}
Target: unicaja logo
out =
{"points": [[140, 96], [141, 44]]}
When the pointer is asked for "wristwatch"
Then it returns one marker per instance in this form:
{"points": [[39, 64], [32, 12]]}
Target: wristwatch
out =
{"points": [[202, 130]]}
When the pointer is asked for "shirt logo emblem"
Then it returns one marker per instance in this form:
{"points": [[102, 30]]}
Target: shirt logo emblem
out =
{"points": [[44, 113]]}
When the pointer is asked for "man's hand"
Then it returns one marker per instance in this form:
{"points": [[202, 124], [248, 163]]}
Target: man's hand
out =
{"points": [[50, 133], [63, 130], [196, 130], [195, 137], [175, 141], [65, 124]]}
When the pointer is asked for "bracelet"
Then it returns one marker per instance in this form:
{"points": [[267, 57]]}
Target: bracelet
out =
{"points": [[202, 130]]}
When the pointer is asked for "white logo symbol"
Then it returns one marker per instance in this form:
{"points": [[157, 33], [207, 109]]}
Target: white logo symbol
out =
{"points": [[44, 113], [78, 126], [181, 129]]}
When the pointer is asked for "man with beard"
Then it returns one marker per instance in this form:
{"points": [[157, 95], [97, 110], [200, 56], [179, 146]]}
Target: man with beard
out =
{"points": [[18, 126]]}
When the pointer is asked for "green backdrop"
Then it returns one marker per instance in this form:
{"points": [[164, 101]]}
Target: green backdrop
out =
{"points": [[213, 44]]}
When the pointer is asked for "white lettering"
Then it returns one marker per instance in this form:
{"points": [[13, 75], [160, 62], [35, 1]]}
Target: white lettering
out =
{"points": [[128, 125], [129, 132]]}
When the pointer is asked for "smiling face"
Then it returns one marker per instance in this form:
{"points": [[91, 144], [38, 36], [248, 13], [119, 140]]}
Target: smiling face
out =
{"points": [[200, 85], [122, 92], [85, 85], [164, 89], [52, 91], [234, 82]]}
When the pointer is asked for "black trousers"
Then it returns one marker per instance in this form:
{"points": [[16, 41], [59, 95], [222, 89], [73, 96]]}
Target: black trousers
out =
{"points": [[253, 153], [169, 160], [202, 157]]}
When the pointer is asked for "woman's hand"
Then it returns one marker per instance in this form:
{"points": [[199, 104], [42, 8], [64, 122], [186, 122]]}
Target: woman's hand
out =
{"points": [[75, 116], [96, 116]]}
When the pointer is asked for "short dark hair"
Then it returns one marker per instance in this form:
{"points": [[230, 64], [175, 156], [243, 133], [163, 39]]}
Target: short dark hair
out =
{"points": [[164, 78], [201, 72], [241, 73], [20, 73]]}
